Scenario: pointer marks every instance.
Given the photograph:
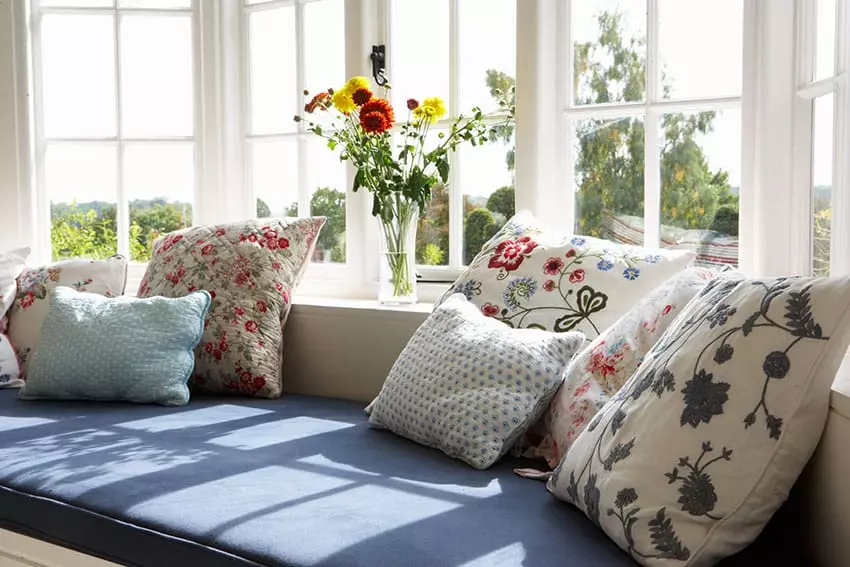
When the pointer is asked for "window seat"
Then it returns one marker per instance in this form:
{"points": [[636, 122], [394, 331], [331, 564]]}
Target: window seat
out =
{"points": [[296, 481]]}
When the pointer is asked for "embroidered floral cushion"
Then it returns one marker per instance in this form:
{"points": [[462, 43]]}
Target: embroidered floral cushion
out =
{"points": [[600, 370], [250, 269], [689, 460], [104, 277], [470, 386], [532, 277], [11, 264]]}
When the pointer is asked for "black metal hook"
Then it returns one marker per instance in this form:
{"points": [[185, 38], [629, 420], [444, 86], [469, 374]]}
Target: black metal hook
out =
{"points": [[379, 63]]}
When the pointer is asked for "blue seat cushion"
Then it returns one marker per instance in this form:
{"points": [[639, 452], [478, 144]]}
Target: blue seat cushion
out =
{"points": [[288, 482]]}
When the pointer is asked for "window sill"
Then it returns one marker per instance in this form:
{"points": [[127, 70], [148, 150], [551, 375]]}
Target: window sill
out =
{"points": [[314, 302]]}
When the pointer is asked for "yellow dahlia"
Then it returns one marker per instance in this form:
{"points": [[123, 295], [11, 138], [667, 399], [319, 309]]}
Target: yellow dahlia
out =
{"points": [[430, 110], [354, 84], [343, 102]]}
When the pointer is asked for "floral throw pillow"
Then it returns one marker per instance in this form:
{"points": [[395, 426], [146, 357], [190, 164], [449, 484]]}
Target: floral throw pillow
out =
{"points": [[470, 386], [104, 277], [532, 277], [11, 265], [250, 270], [601, 369], [689, 460]]}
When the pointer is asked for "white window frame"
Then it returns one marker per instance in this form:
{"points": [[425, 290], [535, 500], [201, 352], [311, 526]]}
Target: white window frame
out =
{"points": [[41, 141], [807, 91], [652, 109]]}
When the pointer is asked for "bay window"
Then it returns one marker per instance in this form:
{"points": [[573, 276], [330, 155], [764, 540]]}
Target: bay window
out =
{"points": [[150, 115]]}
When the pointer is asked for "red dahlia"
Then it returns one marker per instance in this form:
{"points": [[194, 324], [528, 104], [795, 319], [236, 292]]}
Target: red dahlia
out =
{"points": [[361, 96], [377, 116]]}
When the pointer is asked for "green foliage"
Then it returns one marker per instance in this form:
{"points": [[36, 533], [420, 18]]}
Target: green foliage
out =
{"points": [[263, 210], [610, 161], [433, 229], [88, 230], [503, 88], [503, 202], [330, 203], [432, 255], [726, 220], [77, 232], [480, 227]]}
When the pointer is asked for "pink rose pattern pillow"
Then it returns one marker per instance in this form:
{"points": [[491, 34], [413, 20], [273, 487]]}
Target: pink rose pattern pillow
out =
{"points": [[601, 369], [532, 277], [250, 269]]}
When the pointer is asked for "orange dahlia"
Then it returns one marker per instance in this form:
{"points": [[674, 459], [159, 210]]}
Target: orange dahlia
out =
{"points": [[361, 96], [377, 116], [318, 101]]}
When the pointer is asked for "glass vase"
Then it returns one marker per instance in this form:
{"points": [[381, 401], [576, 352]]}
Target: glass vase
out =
{"points": [[397, 224]]}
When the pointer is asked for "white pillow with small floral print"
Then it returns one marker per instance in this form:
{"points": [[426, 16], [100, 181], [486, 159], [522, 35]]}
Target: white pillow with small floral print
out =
{"points": [[250, 269], [529, 276], [601, 369], [104, 277]]}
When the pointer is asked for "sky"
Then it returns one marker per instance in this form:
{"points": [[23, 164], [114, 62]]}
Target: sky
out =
{"points": [[700, 43]]}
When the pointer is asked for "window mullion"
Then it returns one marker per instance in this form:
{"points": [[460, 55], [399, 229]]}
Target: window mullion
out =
{"points": [[652, 126], [122, 214], [455, 190], [42, 202], [566, 97], [840, 229], [301, 144]]}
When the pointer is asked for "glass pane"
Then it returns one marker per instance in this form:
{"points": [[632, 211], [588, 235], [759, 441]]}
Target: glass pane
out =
{"points": [[487, 49], [419, 52], [432, 235], [154, 4], [609, 42], [324, 45], [82, 189], [822, 149], [79, 76], [76, 3], [825, 39], [609, 178], [274, 177], [700, 184], [159, 183], [274, 100], [487, 182], [327, 184], [156, 76], [696, 61]]}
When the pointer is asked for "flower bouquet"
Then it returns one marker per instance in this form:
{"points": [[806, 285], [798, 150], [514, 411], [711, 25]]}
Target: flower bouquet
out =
{"points": [[399, 170]]}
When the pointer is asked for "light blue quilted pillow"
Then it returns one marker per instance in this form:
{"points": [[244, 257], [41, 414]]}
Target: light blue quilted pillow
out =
{"points": [[122, 349]]}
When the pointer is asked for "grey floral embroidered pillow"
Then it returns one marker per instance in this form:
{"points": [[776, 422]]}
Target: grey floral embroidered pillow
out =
{"points": [[687, 463], [528, 276]]}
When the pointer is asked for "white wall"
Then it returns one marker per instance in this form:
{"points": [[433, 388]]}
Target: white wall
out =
{"points": [[12, 228]]}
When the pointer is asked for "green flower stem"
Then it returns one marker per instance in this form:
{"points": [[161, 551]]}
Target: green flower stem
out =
{"points": [[396, 222]]}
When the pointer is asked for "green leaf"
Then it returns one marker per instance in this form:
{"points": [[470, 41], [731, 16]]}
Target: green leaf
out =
{"points": [[443, 169], [358, 180]]}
